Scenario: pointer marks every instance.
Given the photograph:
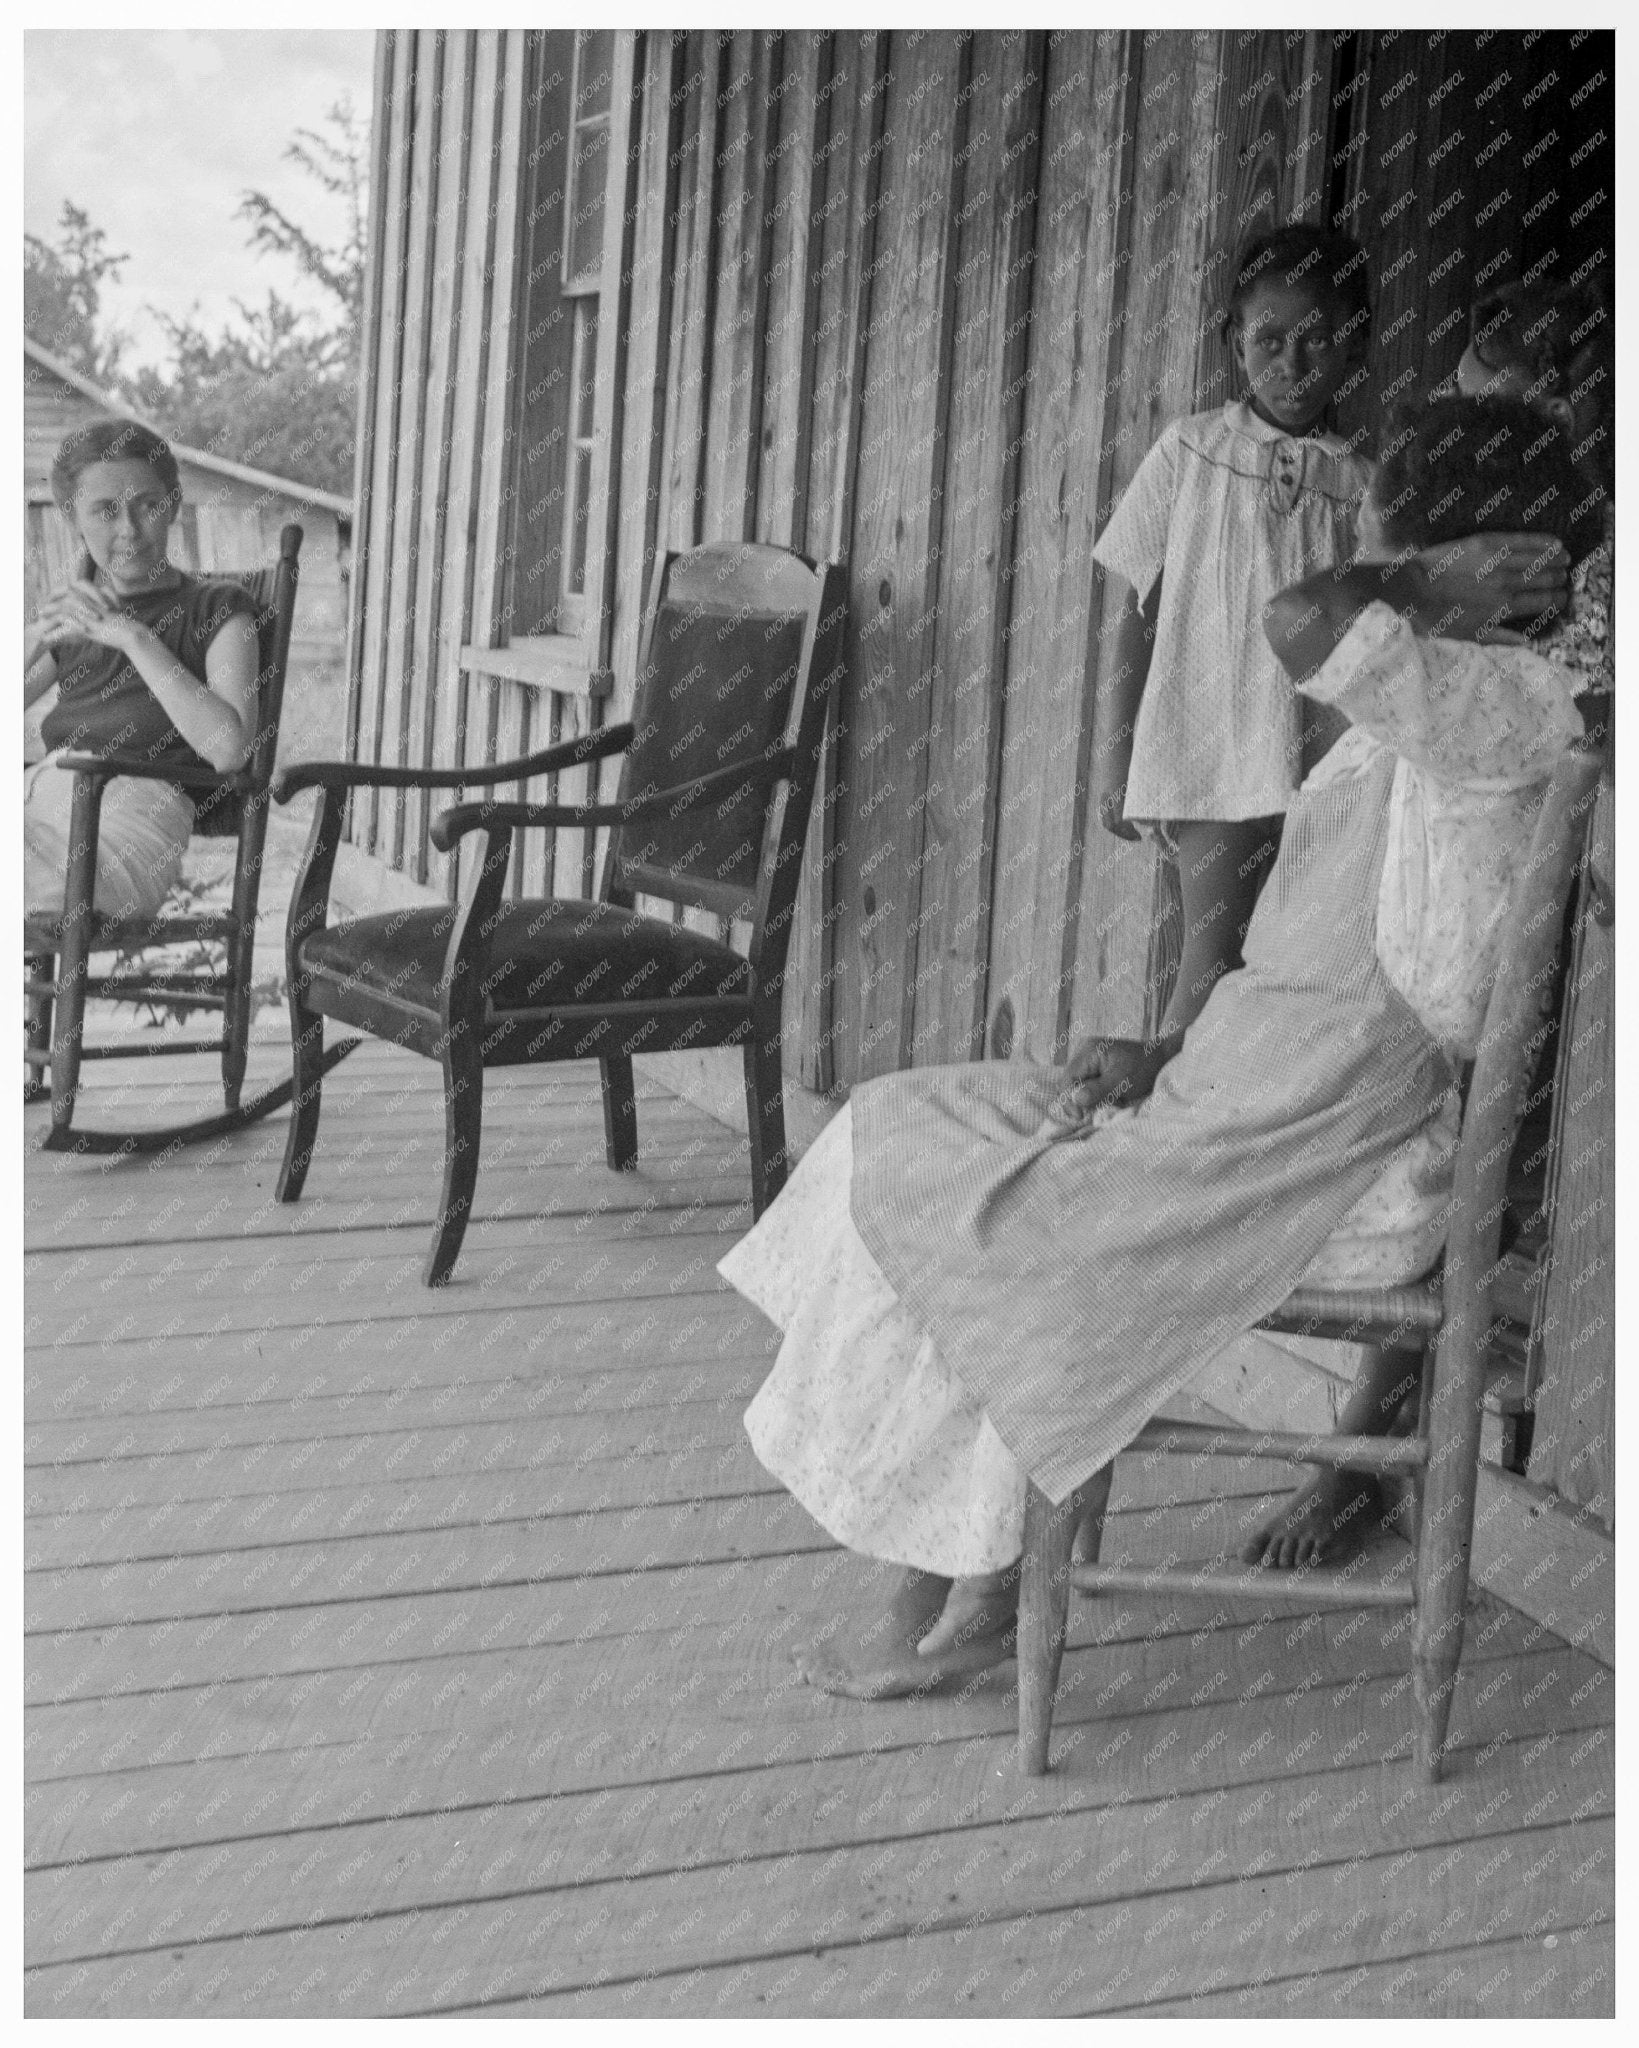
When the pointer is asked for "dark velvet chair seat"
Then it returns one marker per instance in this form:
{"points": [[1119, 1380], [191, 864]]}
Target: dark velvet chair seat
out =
{"points": [[550, 953], [740, 651]]}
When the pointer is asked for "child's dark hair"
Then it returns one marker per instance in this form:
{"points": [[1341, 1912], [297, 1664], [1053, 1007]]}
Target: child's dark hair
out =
{"points": [[1558, 333], [1456, 466], [1300, 253], [111, 441]]}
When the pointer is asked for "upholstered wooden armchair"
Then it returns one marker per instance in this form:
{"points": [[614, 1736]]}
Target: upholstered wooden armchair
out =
{"points": [[741, 648], [1446, 1318], [58, 947]]}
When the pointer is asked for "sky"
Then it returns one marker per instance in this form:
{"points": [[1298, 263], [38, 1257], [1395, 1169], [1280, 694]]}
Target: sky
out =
{"points": [[156, 133]]}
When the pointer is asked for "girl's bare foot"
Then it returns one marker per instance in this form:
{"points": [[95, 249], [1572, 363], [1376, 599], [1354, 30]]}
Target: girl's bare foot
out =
{"points": [[881, 1660], [1328, 1520]]}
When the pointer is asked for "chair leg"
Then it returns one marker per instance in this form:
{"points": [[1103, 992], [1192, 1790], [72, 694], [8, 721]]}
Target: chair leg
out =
{"points": [[67, 1028], [1044, 1606], [236, 1021], [463, 1131], [38, 968], [307, 1071], [1445, 1529], [619, 1111], [73, 957], [765, 1116]]}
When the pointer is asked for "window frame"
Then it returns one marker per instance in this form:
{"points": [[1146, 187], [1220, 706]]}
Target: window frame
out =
{"points": [[571, 656]]}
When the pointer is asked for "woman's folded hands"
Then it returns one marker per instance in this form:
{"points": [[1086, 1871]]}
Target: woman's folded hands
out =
{"points": [[1117, 1071]]}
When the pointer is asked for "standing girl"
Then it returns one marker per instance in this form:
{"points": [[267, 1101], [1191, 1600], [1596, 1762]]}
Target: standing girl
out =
{"points": [[1227, 508]]}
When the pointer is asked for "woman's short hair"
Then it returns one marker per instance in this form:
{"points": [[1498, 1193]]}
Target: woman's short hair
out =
{"points": [[1455, 466], [112, 441], [1300, 252]]}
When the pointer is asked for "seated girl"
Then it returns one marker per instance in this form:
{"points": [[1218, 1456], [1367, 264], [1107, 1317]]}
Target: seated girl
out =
{"points": [[143, 659], [986, 1276]]}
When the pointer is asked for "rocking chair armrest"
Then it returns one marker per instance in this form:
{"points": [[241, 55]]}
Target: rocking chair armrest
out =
{"points": [[143, 769], [453, 825], [300, 775]]}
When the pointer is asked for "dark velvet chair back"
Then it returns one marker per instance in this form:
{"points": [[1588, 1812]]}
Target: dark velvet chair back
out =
{"points": [[737, 660]]}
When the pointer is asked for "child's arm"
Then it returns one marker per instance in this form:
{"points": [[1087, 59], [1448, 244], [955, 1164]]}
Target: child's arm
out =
{"points": [[1134, 643], [1462, 590]]}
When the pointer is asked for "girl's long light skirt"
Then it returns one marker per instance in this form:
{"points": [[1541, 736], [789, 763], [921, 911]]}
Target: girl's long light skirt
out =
{"points": [[861, 1419], [142, 835]]}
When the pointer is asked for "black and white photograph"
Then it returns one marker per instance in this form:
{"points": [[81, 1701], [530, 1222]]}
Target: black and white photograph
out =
{"points": [[819, 1151]]}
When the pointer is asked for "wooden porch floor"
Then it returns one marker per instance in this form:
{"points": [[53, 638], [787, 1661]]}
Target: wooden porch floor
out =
{"points": [[395, 1652]]}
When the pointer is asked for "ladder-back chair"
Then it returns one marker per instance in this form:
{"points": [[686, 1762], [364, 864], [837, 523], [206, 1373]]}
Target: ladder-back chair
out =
{"points": [[1447, 1318]]}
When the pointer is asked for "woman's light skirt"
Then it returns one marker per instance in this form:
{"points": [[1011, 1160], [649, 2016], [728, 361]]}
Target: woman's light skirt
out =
{"points": [[868, 1427], [860, 1418], [142, 835]]}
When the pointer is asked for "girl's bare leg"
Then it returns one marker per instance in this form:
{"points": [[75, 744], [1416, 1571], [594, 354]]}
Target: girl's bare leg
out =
{"points": [[1221, 868], [1333, 1510]]}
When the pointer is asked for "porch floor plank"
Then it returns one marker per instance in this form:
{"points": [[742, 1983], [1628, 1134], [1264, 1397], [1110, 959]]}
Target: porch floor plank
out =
{"points": [[395, 1652]]}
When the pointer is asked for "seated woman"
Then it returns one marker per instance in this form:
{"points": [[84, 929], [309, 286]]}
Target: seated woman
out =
{"points": [[986, 1277], [143, 659], [1545, 345]]}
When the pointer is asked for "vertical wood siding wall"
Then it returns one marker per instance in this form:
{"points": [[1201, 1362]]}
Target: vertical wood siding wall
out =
{"points": [[920, 301]]}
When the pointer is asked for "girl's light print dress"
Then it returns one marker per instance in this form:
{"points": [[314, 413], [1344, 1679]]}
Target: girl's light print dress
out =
{"points": [[1233, 510]]}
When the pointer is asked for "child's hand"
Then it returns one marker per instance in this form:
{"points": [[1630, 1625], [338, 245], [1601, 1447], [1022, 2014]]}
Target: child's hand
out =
{"points": [[1484, 586], [1111, 803]]}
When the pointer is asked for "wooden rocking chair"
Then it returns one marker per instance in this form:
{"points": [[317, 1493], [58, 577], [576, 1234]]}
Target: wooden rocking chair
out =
{"points": [[57, 949], [1447, 1318], [741, 648]]}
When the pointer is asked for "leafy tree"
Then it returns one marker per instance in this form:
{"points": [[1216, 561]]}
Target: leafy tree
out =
{"points": [[62, 295], [270, 392], [280, 391], [337, 163], [278, 388]]}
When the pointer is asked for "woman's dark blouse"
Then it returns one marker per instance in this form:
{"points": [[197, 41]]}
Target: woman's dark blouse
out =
{"points": [[102, 703]]}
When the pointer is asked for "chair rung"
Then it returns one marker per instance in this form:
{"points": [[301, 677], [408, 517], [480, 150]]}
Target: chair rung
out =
{"points": [[150, 1052], [1358, 1314], [1318, 1588], [1359, 1453], [109, 934], [198, 995], [36, 1058]]}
